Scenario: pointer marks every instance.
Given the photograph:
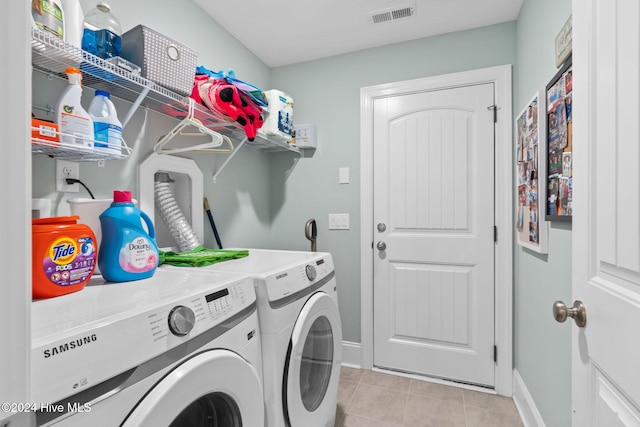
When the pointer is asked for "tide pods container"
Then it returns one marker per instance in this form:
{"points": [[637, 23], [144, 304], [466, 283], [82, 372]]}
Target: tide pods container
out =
{"points": [[64, 255]]}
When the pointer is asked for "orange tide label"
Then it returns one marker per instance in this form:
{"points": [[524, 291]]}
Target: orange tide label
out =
{"points": [[63, 251]]}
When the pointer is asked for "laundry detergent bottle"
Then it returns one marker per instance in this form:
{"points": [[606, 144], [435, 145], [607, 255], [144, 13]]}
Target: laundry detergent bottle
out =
{"points": [[127, 251]]}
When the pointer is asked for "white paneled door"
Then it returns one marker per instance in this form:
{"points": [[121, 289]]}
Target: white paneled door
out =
{"points": [[433, 291], [606, 219]]}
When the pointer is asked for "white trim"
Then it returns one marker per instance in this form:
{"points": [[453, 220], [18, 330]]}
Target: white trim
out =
{"points": [[584, 237], [15, 259], [351, 354], [524, 403], [436, 380], [500, 76]]}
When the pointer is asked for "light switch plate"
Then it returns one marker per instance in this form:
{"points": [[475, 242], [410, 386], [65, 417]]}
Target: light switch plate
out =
{"points": [[339, 221], [343, 175]]}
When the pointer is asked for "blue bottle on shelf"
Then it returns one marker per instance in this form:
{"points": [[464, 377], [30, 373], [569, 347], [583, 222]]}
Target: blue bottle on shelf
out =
{"points": [[127, 251], [102, 33]]}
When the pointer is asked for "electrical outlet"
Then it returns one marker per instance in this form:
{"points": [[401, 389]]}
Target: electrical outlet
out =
{"points": [[305, 136], [66, 169]]}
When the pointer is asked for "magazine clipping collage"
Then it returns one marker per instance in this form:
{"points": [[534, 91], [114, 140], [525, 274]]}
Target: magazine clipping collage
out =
{"points": [[528, 131], [559, 137]]}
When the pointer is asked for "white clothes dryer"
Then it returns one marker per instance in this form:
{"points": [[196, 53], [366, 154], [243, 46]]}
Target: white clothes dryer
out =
{"points": [[181, 348], [301, 333]]}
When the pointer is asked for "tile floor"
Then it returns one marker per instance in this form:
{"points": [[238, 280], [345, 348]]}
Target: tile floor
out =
{"points": [[374, 399]]}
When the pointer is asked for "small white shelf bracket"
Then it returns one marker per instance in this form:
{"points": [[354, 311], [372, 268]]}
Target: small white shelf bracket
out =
{"points": [[228, 159], [135, 105]]}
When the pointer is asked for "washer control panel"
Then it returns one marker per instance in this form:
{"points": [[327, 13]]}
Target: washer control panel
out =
{"points": [[135, 320], [200, 312], [181, 320]]}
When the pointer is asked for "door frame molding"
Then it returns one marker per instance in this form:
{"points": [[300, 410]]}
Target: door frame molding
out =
{"points": [[500, 76]]}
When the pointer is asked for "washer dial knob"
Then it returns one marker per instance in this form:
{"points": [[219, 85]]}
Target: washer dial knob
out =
{"points": [[181, 320], [311, 272]]}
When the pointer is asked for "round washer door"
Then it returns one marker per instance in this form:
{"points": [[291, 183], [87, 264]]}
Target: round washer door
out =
{"points": [[214, 388], [313, 365]]}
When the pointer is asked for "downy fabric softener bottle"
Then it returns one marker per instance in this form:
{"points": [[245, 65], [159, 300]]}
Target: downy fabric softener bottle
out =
{"points": [[127, 251]]}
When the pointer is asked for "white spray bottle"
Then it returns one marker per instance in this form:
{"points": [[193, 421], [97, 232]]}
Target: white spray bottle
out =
{"points": [[75, 124]]}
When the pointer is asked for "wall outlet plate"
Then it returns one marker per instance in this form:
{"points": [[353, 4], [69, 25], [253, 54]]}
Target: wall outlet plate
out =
{"points": [[305, 136], [66, 169]]}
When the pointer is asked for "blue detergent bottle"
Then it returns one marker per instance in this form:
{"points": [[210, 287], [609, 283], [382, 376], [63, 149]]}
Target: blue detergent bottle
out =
{"points": [[127, 251]]}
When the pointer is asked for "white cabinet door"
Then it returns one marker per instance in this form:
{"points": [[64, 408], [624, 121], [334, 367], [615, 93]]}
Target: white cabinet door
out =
{"points": [[606, 221]]}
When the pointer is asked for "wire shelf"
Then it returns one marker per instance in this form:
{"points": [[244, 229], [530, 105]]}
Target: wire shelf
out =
{"points": [[52, 55], [77, 152]]}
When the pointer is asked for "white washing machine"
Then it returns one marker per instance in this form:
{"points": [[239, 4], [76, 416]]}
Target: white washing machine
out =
{"points": [[181, 348], [301, 333]]}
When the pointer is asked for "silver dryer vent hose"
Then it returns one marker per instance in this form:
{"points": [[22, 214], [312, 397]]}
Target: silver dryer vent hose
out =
{"points": [[171, 214]]}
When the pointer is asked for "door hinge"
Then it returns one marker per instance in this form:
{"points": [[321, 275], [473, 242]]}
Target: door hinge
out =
{"points": [[495, 354], [495, 233], [495, 112]]}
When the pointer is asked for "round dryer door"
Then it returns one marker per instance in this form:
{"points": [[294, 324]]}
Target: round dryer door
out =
{"points": [[313, 364], [214, 388]]}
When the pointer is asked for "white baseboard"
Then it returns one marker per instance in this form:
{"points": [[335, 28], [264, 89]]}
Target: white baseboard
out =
{"points": [[524, 402], [351, 354]]}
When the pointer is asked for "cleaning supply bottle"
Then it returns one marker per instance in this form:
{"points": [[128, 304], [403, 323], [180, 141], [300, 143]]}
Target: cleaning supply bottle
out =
{"points": [[107, 129], [48, 16], [102, 32], [74, 123], [127, 252], [73, 22]]}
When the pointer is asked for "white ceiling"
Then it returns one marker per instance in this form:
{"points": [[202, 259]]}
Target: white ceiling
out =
{"points": [[282, 32]]}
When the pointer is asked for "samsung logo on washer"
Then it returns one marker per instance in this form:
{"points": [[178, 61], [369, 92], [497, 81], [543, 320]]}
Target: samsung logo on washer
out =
{"points": [[281, 276], [69, 345]]}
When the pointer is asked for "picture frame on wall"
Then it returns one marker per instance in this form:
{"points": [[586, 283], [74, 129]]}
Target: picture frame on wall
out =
{"points": [[531, 225], [559, 95]]}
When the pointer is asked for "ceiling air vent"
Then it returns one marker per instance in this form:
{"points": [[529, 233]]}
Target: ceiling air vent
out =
{"points": [[392, 14]]}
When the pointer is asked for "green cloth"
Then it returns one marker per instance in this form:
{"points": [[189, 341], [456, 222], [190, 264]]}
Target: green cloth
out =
{"points": [[200, 257]]}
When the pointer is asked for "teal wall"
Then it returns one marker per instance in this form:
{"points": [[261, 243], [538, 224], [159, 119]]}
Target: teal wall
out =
{"points": [[263, 200], [327, 93], [542, 347]]}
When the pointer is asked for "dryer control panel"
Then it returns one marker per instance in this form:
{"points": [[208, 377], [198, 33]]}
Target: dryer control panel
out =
{"points": [[298, 278]]}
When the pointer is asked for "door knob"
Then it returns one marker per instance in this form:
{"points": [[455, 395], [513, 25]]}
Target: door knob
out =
{"points": [[381, 246], [382, 227], [577, 312]]}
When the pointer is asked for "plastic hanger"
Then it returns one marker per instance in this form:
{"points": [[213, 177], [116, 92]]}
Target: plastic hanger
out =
{"points": [[217, 139]]}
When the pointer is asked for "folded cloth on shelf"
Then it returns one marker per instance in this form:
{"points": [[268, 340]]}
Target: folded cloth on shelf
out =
{"points": [[219, 95], [200, 256], [256, 94]]}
